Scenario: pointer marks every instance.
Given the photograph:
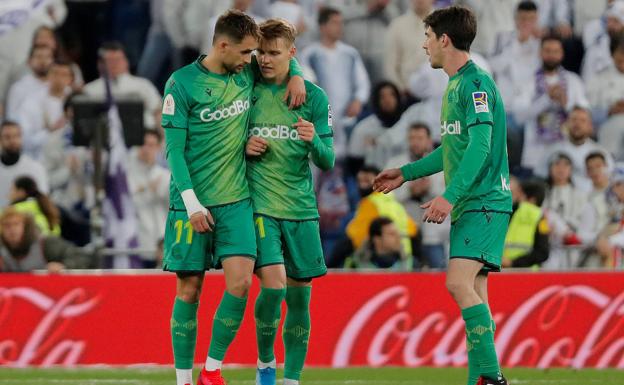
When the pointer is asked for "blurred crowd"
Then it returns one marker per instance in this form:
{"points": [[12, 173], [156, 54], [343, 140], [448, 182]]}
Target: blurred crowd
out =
{"points": [[559, 65]]}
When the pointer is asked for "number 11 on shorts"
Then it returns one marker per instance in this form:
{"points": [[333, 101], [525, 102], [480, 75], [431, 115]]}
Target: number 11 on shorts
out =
{"points": [[260, 224], [179, 226]]}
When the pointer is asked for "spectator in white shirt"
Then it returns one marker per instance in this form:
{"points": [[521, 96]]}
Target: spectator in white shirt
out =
{"points": [[404, 41], [554, 16], [149, 185], [493, 17], [42, 113], [39, 62], [124, 85], [14, 164], [606, 90], [339, 70], [597, 55], [544, 104], [612, 237], [208, 31], [576, 146]]}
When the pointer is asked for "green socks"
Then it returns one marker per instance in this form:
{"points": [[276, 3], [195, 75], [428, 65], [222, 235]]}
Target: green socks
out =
{"points": [[226, 322], [184, 333], [296, 330], [480, 347], [268, 312]]}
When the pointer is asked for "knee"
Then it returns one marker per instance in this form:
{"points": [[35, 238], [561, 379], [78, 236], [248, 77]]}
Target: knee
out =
{"points": [[240, 286], [189, 294], [456, 288]]}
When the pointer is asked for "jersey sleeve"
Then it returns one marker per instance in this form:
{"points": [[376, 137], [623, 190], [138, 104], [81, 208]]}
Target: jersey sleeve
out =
{"points": [[477, 99], [322, 145], [175, 112], [426, 166]]}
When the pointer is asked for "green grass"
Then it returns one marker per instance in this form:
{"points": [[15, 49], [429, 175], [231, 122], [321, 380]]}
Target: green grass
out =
{"points": [[353, 376]]}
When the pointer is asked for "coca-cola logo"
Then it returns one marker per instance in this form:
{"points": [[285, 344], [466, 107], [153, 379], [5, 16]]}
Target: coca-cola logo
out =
{"points": [[524, 336], [45, 344]]}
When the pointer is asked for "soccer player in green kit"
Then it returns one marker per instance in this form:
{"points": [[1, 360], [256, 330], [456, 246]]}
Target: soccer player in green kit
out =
{"points": [[210, 222], [473, 156], [281, 142]]}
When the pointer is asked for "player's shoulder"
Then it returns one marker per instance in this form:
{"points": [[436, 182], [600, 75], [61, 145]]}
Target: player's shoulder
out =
{"points": [[314, 90], [476, 78], [184, 73]]}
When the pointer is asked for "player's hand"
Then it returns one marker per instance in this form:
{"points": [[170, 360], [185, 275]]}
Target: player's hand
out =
{"points": [[437, 210], [305, 130], [388, 180], [256, 146], [295, 90], [202, 222]]}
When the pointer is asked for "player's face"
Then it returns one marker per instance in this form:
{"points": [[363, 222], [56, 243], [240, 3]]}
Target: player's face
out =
{"points": [[237, 55], [561, 172], [13, 229], [433, 48], [274, 58], [419, 142]]}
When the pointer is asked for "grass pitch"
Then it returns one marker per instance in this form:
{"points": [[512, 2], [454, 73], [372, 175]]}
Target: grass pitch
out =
{"points": [[352, 376]]}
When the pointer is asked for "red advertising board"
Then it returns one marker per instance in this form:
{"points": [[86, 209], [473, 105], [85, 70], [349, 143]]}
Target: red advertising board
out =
{"points": [[543, 320]]}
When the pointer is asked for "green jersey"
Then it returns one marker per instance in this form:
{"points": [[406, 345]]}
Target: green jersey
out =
{"points": [[205, 116], [280, 180], [473, 153]]}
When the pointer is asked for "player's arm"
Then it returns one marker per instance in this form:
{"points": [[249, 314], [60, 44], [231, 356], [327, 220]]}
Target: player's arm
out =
{"points": [[295, 89], [322, 144], [479, 123], [175, 123], [429, 165]]}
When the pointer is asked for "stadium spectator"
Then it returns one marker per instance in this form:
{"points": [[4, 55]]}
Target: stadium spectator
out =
{"points": [[365, 26], [563, 206], [387, 109], [403, 45], [373, 205], [382, 249], [493, 17], [606, 96], [14, 163], [339, 70], [517, 53], [45, 36], [597, 57], [125, 85], [577, 145], [554, 17], [611, 241], [42, 113], [149, 185], [527, 241], [208, 32], [25, 197], [545, 102], [23, 248], [586, 12], [32, 83], [412, 194]]}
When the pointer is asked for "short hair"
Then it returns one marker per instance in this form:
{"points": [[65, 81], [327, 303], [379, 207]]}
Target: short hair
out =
{"points": [[236, 25], [578, 107], [273, 29], [155, 133], [595, 155], [34, 48], [551, 37], [458, 23], [534, 188], [112, 45], [376, 226], [617, 43], [526, 6], [369, 168], [420, 126], [9, 123], [325, 13]]}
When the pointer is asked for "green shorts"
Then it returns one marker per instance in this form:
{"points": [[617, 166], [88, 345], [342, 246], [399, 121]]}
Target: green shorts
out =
{"points": [[233, 235], [295, 244], [480, 235]]}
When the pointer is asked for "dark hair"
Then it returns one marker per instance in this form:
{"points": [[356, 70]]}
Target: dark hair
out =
{"points": [[534, 188], [555, 158], [236, 25], [594, 155], [111, 45], [325, 13], [616, 43], [155, 133], [30, 231], [458, 23], [377, 225], [273, 29], [420, 126], [9, 123], [39, 46], [526, 6], [551, 37], [387, 119], [370, 169], [577, 107], [49, 210]]}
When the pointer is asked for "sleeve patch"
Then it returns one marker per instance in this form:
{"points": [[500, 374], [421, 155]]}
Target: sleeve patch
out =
{"points": [[168, 105], [329, 116], [480, 102]]}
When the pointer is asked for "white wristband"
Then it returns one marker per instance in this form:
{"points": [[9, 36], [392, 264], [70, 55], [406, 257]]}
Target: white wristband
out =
{"points": [[192, 203]]}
